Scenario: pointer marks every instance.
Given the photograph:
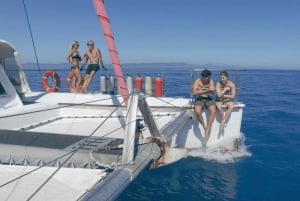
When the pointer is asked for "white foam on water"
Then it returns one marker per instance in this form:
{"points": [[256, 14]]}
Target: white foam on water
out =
{"points": [[221, 154]]}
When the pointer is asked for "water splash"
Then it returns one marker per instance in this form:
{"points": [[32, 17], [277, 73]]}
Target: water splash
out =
{"points": [[223, 154]]}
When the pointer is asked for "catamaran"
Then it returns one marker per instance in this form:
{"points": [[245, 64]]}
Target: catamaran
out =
{"points": [[71, 146]]}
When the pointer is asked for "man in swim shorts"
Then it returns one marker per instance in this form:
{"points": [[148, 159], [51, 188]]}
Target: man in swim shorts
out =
{"points": [[93, 55], [203, 89]]}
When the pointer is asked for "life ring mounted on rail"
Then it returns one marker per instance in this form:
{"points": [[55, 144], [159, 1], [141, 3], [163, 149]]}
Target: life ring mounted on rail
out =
{"points": [[69, 82], [53, 74]]}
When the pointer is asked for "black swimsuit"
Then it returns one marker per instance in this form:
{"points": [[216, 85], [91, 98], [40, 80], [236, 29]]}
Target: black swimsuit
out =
{"points": [[222, 99], [76, 56], [74, 68]]}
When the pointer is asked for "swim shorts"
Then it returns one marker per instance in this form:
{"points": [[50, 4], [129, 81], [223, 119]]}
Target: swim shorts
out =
{"points": [[92, 67], [204, 101]]}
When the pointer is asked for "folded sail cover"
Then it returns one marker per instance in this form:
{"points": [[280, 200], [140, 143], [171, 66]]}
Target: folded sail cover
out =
{"points": [[110, 41]]}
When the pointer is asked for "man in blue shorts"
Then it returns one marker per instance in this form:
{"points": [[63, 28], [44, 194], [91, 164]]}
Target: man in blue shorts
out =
{"points": [[93, 55]]}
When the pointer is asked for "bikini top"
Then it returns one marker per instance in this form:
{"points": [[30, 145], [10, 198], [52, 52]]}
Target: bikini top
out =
{"points": [[76, 56], [223, 86]]}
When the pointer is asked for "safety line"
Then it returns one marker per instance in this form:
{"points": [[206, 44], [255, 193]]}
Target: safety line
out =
{"points": [[31, 35]]}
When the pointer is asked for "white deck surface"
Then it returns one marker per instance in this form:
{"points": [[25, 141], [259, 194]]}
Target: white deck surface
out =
{"points": [[67, 184], [113, 127], [84, 127]]}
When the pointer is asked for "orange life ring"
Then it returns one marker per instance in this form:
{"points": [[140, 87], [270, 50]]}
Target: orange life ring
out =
{"points": [[51, 73], [69, 81]]}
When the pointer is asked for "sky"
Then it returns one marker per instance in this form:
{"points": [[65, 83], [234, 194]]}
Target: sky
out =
{"points": [[240, 33]]}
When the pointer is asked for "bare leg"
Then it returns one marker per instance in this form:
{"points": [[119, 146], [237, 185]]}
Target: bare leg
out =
{"points": [[90, 78], [228, 112], [198, 110], [212, 115], [221, 113], [85, 84], [87, 81], [78, 79], [73, 82]]}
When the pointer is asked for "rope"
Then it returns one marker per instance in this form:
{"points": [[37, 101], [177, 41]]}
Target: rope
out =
{"points": [[54, 108], [23, 175], [175, 106], [117, 116], [72, 153], [31, 35], [50, 177]]}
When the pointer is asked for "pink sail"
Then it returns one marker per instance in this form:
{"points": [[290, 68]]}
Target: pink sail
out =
{"points": [[110, 42]]}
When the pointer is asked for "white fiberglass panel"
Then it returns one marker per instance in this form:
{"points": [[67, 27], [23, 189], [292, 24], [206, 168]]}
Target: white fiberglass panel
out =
{"points": [[66, 184]]}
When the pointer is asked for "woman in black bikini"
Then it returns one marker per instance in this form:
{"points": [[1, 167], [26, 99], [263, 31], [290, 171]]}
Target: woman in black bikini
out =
{"points": [[73, 58]]}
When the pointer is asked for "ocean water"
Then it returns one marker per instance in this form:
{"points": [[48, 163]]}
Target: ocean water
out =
{"points": [[268, 164]]}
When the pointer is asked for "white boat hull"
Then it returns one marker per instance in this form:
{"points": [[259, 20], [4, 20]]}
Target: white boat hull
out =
{"points": [[90, 146]]}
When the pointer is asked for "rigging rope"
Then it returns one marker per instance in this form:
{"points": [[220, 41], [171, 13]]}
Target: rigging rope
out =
{"points": [[31, 35], [54, 108], [71, 153], [50, 177]]}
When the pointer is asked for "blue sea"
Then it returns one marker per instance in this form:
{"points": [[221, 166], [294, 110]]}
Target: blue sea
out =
{"points": [[268, 165]]}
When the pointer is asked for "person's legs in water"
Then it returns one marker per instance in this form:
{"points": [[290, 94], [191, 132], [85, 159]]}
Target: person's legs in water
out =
{"points": [[212, 114]]}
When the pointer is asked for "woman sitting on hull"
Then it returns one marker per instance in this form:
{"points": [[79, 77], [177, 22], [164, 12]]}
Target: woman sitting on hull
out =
{"points": [[226, 92]]}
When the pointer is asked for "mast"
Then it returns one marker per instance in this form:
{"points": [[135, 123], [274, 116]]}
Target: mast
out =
{"points": [[110, 42]]}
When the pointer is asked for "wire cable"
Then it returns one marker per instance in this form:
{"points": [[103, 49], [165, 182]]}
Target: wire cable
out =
{"points": [[59, 107], [72, 153], [32, 40]]}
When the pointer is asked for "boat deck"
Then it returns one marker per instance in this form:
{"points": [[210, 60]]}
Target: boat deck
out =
{"points": [[47, 132], [66, 184]]}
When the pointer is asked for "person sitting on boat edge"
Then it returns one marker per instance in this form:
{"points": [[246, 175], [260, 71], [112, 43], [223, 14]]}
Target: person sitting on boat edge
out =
{"points": [[93, 55], [73, 58], [226, 92], [204, 88]]}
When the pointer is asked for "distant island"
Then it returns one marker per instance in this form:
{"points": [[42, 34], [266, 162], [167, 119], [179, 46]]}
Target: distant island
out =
{"points": [[159, 65], [179, 65]]}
